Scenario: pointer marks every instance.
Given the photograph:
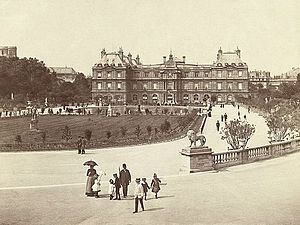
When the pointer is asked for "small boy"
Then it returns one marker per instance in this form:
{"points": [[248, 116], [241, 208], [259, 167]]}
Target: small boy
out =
{"points": [[138, 195], [117, 186], [145, 187], [111, 189]]}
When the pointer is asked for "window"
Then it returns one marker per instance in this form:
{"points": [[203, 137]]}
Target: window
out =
{"points": [[196, 97], [186, 97], [145, 86], [229, 86], [196, 74], [229, 73], [240, 73], [99, 86], [108, 85], [196, 87], [145, 97], [134, 97], [99, 74], [109, 75], [119, 86], [170, 75], [154, 97], [206, 86], [118, 74], [240, 86], [155, 86], [186, 86], [206, 74], [219, 74], [170, 86], [219, 86]]}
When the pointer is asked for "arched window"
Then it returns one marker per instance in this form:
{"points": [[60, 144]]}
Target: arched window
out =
{"points": [[134, 97], [154, 97], [186, 97], [196, 97], [145, 97]]}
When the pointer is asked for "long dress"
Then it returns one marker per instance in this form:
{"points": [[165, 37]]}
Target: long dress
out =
{"points": [[91, 173], [155, 185]]}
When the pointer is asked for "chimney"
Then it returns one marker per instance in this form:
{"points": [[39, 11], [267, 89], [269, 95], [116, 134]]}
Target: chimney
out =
{"points": [[238, 52], [220, 52], [164, 59], [183, 59], [129, 56], [121, 53], [103, 53], [137, 59]]}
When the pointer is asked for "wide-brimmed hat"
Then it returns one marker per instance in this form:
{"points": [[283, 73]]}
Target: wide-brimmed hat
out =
{"points": [[137, 179]]}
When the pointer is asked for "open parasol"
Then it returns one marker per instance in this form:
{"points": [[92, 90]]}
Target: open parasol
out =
{"points": [[90, 163]]}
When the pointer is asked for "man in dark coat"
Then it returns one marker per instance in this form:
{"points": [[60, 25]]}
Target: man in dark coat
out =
{"points": [[125, 179], [79, 144]]}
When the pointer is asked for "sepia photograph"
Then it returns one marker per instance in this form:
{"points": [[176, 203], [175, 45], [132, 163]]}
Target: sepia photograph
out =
{"points": [[161, 112]]}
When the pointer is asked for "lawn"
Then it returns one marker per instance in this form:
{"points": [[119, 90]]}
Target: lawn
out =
{"points": [[99, 125]]}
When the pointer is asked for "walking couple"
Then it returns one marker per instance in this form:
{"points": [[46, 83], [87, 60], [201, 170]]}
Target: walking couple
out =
{"points": [[81, 144]]}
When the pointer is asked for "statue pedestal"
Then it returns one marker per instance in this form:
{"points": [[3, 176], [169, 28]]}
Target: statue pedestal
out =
{"points": [[196, 159]]}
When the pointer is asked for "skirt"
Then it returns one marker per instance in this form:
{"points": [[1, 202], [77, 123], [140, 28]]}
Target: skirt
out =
{"points": [[89, 184]]}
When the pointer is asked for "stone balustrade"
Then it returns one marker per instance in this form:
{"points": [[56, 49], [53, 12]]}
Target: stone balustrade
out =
{"points": [[236, 157]]}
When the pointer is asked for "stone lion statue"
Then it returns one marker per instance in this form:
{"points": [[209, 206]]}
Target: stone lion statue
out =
{"points": [[194, 137]]}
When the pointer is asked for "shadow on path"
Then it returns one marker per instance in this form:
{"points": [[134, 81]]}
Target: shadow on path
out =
{"points": [[154, 209]]}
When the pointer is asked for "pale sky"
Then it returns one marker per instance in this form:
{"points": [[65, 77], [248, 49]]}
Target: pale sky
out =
{"points": [[73, 32]]}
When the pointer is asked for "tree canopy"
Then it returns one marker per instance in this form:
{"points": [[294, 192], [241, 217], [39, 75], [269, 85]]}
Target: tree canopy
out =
{"points": [[30, 79]]}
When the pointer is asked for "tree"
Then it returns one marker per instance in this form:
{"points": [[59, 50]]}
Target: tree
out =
{"points": [[67, 134], [281, 122], [138, 131], [18, 139], [155, 131], [213, 98], [237, 133], [149, 130], [108, 134], [44, 136], [123, 131], [88, 134]]}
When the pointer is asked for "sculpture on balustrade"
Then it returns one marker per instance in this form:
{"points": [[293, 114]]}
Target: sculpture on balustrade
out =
{"points": [[194, 137]]}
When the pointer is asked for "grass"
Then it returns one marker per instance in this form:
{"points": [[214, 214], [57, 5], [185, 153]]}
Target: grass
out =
{"points": [[53, 126]]}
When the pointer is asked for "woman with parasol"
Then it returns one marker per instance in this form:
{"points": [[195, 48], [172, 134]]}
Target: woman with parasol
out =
{"points": [[92, 176]]}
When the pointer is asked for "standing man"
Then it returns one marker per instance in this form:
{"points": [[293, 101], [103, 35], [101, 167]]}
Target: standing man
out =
{"points": [[125, 179], [218, 125], [225, 117], [138, 195], [83, 145], [79, 144]]}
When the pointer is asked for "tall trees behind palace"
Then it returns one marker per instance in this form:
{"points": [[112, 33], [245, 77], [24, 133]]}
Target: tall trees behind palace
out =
{"points": [[30, 79]]}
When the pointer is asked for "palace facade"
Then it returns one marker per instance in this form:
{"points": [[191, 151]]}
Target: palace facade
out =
{"points": [[120, 79]]}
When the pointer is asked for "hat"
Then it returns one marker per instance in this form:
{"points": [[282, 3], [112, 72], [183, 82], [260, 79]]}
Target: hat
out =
{"points": [[115, 174], [138, 179]]}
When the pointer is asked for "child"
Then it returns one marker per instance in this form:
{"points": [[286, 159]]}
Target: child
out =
{"points": [[98, 183], [138, 195], [145, 187], [117, 187], [155, 185], [111, 189]]}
